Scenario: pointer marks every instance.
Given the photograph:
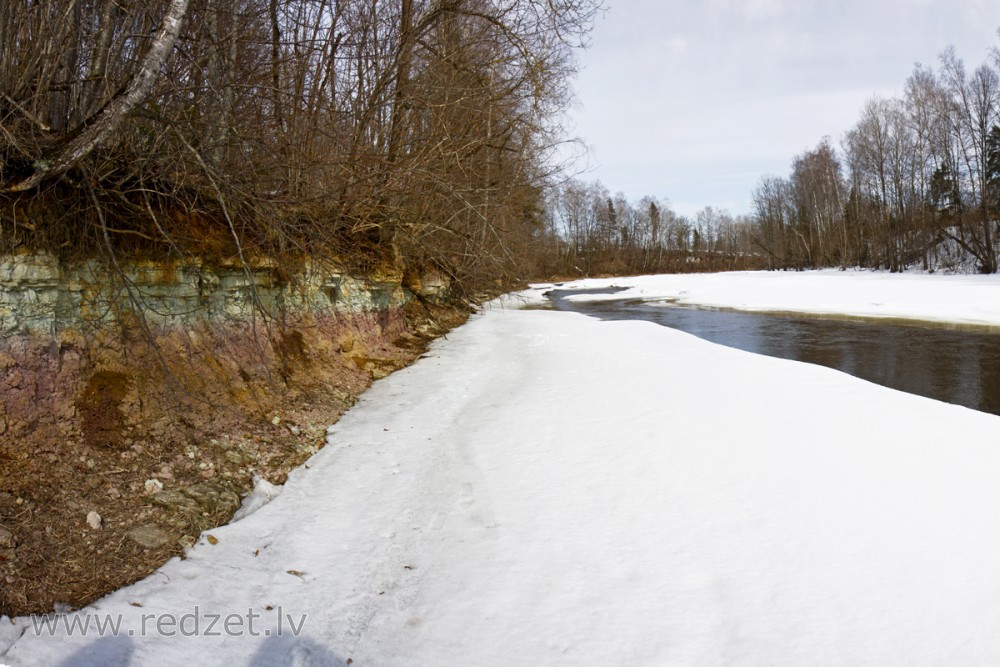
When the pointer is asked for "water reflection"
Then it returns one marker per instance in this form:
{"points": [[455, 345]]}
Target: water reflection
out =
{"points": [[961, 367]]}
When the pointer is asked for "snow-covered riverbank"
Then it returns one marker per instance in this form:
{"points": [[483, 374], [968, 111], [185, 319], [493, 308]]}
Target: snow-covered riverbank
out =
{"points": [[966, 299], [550, 489]]}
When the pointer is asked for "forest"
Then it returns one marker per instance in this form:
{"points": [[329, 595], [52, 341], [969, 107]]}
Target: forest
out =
{"points": [[914, 183], [915, 172], [589, 231], [429, 133], [357, 131]]}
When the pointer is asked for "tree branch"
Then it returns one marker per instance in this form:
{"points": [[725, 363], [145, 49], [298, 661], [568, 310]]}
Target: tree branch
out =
{"points": [[112, 115]]}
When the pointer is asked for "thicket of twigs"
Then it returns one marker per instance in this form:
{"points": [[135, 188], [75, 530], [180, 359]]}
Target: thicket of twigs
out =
{"points": [[340, 129]]}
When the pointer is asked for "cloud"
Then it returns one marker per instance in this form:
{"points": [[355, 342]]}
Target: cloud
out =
{"points": [[757, 10], [675, 45]]}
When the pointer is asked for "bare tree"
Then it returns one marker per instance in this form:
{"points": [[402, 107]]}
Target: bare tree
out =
{"points": [[420, 130], [80, 141]]}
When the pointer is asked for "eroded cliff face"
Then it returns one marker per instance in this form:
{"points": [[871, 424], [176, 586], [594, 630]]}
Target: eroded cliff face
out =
{"points": [[39, 296], [151, 397]]}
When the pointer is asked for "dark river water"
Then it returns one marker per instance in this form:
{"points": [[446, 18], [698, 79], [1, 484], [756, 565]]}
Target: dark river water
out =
{"points": [[959, 366]]}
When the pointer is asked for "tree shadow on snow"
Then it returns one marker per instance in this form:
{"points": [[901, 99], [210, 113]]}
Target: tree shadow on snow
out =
{"points": [[106, 651], [294, 652], [287, 651]]}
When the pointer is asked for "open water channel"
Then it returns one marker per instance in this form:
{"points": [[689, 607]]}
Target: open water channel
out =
{"points": [[954, 364]]}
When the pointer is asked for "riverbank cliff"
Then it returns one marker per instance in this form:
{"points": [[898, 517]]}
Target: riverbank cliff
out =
{"points": [[140, 401]]}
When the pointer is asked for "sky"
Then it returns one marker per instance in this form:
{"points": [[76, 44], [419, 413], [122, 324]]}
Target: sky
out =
{"points": [[692, 101]]}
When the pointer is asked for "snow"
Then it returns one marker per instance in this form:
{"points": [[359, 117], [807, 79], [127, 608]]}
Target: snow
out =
{"points": [[956, 299], [263, 493], [545, 488]]}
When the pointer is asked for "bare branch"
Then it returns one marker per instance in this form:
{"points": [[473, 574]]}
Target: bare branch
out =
{"points": [[109, 118]]}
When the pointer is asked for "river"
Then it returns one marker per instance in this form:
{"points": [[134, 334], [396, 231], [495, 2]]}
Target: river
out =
{"points": [[960, 366]]}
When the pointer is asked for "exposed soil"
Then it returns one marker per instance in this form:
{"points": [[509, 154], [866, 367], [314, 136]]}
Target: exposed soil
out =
{"points": [[165, 438]]}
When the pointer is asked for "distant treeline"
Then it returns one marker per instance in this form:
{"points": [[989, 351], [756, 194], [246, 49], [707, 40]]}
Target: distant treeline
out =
{"points": [[415, 129], [917, 176], [591, 232], [915, 171]]}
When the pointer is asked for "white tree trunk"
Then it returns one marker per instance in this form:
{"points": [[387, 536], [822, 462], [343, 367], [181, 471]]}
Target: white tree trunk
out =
{"points": [[109, 118]]}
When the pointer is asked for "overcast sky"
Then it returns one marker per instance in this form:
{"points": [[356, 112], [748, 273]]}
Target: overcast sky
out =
{"points": [[694, 100]]}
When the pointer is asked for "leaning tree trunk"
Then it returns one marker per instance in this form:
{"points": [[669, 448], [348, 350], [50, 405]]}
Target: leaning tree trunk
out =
{"points": [[99, 128]]}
